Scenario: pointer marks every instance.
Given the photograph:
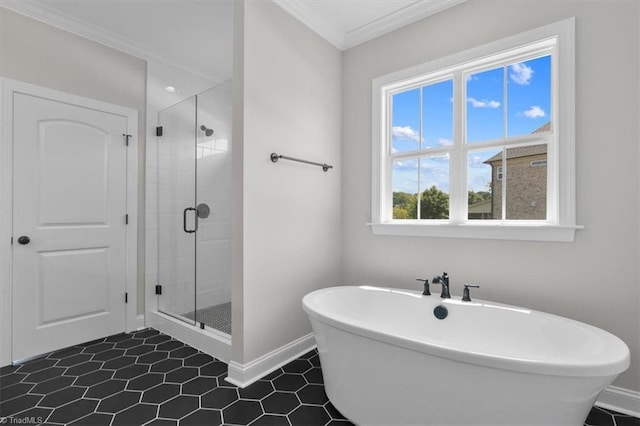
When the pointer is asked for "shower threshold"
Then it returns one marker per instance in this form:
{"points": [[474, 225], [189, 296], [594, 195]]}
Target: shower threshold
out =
{"points": [[217, 317]]}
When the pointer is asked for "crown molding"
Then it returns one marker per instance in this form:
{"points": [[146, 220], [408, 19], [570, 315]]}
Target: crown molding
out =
{"points": [[40, 12], [416, 11], [301, 12]]}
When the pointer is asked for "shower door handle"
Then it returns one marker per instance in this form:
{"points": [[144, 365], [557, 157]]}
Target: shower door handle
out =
{"points": [[184, 220]]}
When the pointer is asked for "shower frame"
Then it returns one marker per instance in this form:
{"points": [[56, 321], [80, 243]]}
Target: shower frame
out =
{"points": [[169, 313]]}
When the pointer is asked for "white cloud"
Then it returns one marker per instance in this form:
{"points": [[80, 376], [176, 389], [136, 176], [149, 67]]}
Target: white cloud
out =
{"points": [[405, 132], [444, 142], [476, 161], [483, 103], [521, 73], [535, 112], [479, 179]]}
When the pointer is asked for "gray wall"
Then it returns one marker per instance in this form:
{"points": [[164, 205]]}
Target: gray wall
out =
{"points": [[594, 279], [290, 241], [40, 54]]}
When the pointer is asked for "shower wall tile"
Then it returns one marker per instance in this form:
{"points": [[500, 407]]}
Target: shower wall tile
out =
{"points": [[208, 231], [151, 273], [214, 189], [151, 222], [214, 274], [152, 173], [151, 235], [151, 257], [166, 268], [167, 221]]}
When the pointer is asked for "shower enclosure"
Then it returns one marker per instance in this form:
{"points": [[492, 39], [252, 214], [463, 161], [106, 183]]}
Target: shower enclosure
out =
{"points": [[194, 210]]}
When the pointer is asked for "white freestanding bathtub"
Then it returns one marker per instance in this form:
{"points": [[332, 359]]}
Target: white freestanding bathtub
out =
{"points": [[387, 360]]}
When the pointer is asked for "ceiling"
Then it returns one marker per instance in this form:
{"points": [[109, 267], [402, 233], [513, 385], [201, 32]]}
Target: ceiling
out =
{"points": [[196, 35], [192, 35]]}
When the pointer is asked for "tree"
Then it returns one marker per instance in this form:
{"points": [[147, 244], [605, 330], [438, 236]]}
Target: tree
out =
{"points": [[476, 197], [400, 213], [404, 205], [434, 204], [402, 199]]}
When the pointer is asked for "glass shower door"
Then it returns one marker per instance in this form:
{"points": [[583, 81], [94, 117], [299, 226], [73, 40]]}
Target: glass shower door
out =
{"points": [[213, 240], [177, 220]]}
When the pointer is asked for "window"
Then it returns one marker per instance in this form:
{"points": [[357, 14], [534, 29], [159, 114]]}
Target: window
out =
{"points": [[479, 144]]}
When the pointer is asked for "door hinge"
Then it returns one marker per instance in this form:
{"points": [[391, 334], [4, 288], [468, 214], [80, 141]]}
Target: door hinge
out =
{"points": [[126, 219], [11, 240], [126, 138], [159, 131], [158, 289], [126, 298]]}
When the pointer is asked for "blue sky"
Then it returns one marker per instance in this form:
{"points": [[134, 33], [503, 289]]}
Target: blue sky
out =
{"points": [[527, 101]]}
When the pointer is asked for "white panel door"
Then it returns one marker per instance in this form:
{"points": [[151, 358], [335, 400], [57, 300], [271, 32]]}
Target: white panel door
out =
{"points": [[70, 175]]}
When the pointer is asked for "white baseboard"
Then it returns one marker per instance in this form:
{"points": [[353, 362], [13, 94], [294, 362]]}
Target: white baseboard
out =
{"points": [[243, 375], [621, 400], [140, 322]]}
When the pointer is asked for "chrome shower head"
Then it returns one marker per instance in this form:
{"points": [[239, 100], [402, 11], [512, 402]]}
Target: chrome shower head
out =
{"points": [[207, 132]]}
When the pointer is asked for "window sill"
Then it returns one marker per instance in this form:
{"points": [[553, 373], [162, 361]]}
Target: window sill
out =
{"points": [[485, 231]]}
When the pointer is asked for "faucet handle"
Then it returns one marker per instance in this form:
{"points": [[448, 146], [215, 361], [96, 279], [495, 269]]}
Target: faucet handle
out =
{"points": [[426, 291], [466, 297]]}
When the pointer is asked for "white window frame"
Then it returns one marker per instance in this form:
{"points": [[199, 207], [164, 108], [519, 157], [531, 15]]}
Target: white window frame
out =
{"points": [[557, 38]]}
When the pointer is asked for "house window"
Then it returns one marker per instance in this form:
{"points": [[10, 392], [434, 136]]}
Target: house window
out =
{"points": [[479, 144]]}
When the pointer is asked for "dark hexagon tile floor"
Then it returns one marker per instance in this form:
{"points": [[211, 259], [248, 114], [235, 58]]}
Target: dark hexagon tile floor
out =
{"points": [[148, 378]]}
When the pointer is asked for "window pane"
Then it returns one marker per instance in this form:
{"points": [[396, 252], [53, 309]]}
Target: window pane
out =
{"points": [[437, 114], [483, 174], [529, 96], [404, 180], [526, 183], [434, 187], [484, 106], [405, 121]]}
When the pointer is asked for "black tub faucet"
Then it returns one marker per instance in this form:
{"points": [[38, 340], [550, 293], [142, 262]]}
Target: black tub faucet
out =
{"points": [[466, 297], [426, 291], [443, 280]]}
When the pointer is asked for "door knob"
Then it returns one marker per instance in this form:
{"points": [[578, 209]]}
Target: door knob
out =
{"points": [[24, 240]]}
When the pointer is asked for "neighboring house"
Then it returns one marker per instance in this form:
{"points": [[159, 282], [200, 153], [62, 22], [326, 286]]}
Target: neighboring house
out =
{"points": [[481, 210], [526, 184]]}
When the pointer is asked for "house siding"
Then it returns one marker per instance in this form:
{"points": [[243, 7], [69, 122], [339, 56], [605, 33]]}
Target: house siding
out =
{"points": [[526, 189]]}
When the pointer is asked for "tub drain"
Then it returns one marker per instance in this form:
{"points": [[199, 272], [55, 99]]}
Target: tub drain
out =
{"points": [[440, 312]]}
